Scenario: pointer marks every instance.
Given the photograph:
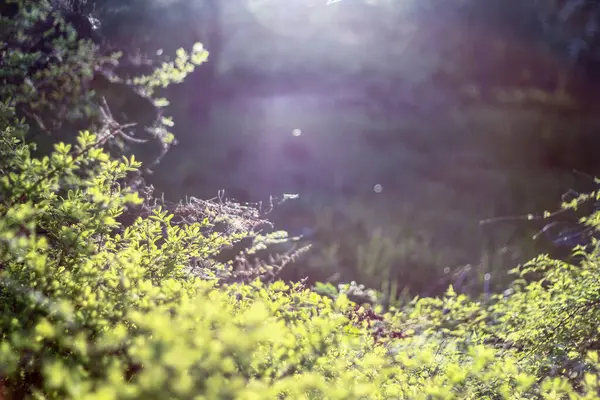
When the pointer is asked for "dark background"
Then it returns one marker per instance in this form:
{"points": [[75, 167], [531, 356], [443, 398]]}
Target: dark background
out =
{"points": [[418, 119]]}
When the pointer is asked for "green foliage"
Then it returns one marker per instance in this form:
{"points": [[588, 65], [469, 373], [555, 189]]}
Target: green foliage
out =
{"points": [[548, 319], [47, 80], [53, 73], [173, 72], [92, 308]]}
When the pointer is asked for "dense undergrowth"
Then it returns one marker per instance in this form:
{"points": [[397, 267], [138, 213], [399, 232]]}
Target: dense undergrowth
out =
{"points": [[93, 309], [107, 293]]}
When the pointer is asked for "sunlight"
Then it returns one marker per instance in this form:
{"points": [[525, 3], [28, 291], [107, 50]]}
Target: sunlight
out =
{"points": [[348, 22], [291, 18]]}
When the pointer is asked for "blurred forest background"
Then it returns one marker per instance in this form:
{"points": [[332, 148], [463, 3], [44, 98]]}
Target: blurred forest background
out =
{"points": [[400, 124]]}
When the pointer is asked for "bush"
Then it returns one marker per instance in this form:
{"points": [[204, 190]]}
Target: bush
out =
{"points": [[95, 308]]}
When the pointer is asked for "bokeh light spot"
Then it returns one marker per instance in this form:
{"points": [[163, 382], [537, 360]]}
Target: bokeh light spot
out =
{"points": [[378, 188]]}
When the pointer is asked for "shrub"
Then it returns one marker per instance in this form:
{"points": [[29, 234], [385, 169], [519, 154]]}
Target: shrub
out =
{"points": [[92, 308]]}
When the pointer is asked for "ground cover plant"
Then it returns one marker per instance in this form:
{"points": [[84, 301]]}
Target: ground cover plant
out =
{"points": [[107, 292]]}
